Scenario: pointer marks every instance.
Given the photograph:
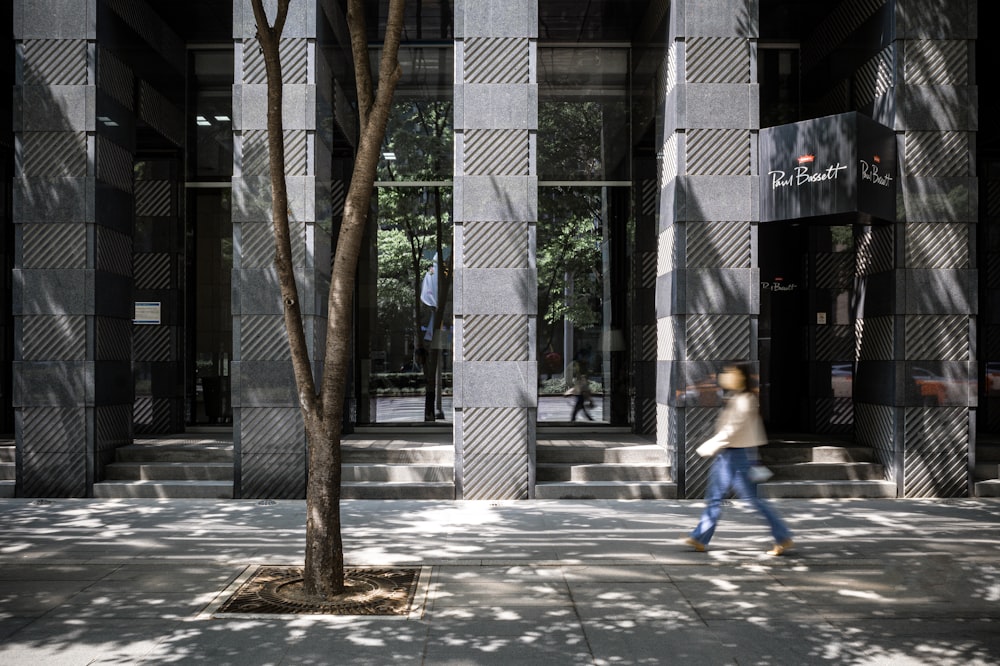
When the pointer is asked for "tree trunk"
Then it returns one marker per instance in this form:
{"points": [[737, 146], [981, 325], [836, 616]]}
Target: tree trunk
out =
{"points": [[322, 411]]}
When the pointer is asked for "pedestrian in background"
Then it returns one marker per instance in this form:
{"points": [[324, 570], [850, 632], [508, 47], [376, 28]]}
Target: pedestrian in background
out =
{"points": [[739, 431], [580, 386]]}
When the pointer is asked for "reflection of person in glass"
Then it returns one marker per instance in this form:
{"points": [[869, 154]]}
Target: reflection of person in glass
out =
{"points": [[739, 429], [580, 386]]}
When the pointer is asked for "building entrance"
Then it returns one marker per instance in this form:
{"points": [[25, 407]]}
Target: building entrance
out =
{"points": [[806, 327]]}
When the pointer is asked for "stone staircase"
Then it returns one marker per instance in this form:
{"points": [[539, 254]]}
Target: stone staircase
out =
{"points": [[575, 463], [987, 471], [398, 463], [811, 466], [8, 467], [195, 465]]}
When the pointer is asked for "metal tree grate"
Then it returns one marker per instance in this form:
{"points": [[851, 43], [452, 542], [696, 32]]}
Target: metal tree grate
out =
{"points": [[279, 590]]}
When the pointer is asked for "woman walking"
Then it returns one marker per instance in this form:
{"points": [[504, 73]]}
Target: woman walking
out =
{"points": [[739, 429]]}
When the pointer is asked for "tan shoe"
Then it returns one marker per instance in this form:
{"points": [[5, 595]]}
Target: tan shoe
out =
{"points": [[780, 548], [694, 543]]}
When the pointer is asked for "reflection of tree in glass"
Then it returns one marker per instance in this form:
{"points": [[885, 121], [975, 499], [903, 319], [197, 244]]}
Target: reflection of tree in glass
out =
{"points": [[415, 222], [570, 140], [569, 248]]}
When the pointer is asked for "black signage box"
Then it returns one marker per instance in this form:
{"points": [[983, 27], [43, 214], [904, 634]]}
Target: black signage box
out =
{"points": [[832, 165]]}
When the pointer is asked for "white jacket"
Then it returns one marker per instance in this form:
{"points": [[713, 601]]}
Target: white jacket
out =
{"points": [[739, 426]]}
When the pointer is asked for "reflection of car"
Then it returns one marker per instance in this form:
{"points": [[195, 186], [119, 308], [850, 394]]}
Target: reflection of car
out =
{"points": [[940, 390], [704, 393], [841, 378]]}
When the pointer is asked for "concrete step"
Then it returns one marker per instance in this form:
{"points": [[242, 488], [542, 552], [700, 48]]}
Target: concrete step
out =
{"points": [[6, 489], [167, 471], [989, 488], [371, 452], [547, 472], [175, 453], [8, 471], [8, 453], [809, 453], [402, 491], [832, 489], [599, 452], [607, 490], [164, 489], [827, 471], [377, 473]]}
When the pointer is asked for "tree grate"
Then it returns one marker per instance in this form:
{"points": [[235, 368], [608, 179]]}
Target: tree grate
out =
{"points": [[370, 591]]}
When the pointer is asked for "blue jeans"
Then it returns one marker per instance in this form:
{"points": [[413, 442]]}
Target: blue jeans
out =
{"points": [[729, 470]]}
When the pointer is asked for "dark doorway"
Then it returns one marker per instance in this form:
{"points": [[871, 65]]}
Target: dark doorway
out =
{"points": [[782, 328], [806, 329]]}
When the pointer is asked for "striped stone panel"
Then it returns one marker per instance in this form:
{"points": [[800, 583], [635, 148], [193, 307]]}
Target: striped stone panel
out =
{"points": [[152, 270], [718, 152], [495, 453], [495, 152], [874, 426], [666, 261], [495, 245], [937, 245], [113, 429], [645, 415], [711, 337], [931, 62], [271, 430], [668, 71], [153, 344], [834, 270], [992, 270], [875, 77], [256, 248], [151, 29], [937, 154], [500, 60], [160, 113], [114, 251], [114, 339], [495, 338], [153, 415], [645, 264], [53, 446], [55, 62], [115, 78], [256, 157], [273, 476], [667, 163], [992, 199], [718, 245], [717, 60], [54, 154], [294, 54], [338, 197], [874, 252], [699, 425], [59, 338], [668, 431], [114, 165], [838, 97], [54, 246], [873, 338], [649, 191], [833, 415], [936, 458], [263, 338], [669, 334], [937, 337], [843, 19], [154, 198], [834, 343]]}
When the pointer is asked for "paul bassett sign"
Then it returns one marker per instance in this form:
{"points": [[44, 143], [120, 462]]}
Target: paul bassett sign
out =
{"points": [[828, 166]]}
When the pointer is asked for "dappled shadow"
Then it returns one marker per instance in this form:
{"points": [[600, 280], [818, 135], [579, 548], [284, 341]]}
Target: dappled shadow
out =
{"points": [[509, 582]]}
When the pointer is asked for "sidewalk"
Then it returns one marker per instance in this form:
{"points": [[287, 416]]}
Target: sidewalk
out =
{"points": [[538, 582]]}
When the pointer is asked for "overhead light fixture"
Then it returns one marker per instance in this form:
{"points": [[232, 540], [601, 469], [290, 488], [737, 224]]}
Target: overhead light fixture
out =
{"points": [[203, 121], [107, 121], [389, 157], [222, 119]]}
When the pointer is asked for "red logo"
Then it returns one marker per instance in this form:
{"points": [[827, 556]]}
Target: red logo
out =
{"points": [[877, 159], [806, 159]]}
